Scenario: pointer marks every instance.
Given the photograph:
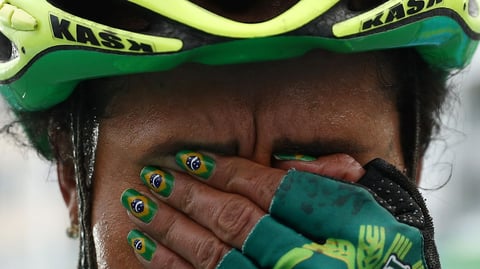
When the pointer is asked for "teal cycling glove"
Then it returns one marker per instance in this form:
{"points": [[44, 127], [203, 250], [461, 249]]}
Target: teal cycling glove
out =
{"points": [[380, 222]]}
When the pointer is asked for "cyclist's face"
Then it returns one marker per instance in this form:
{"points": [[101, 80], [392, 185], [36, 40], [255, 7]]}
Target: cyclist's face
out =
{"points": [[318, 104]]}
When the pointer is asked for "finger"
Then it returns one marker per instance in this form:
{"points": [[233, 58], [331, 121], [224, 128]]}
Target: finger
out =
{"points": [[229, 216], [234, 175], [174, 230], [154, 255], [257, 182], [338, 166]]}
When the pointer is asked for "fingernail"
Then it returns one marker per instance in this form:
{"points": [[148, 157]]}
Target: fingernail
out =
{"points": [[141, 244], [139, 205], [157, 180], [294, 157], [195, 163]]}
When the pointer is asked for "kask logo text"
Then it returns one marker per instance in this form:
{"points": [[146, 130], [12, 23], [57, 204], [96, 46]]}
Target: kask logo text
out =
{"points": [[65, 29], [399, 11]]}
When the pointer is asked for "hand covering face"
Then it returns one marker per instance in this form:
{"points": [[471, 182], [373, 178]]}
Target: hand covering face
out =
{"points": [[380, 222]]}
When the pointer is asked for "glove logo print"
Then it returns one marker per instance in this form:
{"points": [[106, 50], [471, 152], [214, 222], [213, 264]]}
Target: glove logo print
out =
{"points": [[394, 263], [371, 251]]}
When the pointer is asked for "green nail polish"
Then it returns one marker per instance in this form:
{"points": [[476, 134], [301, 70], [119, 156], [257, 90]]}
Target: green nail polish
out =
{"points": [[195, 163], [294, 157], [157, 180], [139, 205], [141, 244]]}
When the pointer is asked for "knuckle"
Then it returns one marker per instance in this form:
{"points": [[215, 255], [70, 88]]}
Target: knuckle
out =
{"points": [[230, 175], [353, 170], [344, 158], [352, 162], [169, 233], [263, 190], [209, 253], [188, 200], [167, 261], [236, 219]]}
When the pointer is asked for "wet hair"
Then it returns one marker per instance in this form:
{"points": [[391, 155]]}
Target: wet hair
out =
{"points": [[420, 97]]}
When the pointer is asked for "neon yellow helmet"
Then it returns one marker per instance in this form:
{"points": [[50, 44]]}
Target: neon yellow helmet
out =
{"points": [[47, 51]]}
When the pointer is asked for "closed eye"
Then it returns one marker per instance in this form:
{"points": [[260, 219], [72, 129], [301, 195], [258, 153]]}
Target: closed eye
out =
{"points": [[318, 148]]}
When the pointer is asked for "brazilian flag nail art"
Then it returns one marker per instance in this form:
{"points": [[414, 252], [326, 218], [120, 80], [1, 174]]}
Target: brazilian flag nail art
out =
{"points": [[157, 180], [141, 244], [195, 163], [139, 205]]}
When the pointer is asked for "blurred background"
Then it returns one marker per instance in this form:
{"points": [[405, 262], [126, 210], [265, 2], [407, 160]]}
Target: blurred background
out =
{"points": [[33, 217]]}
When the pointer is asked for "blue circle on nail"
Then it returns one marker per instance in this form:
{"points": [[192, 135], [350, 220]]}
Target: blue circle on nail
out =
{"points": [[193, 162], [156, 180], [137, 206], [138, 244]]}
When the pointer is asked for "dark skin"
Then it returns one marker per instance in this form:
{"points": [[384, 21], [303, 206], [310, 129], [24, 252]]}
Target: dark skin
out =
{"points": [[331, 106]]}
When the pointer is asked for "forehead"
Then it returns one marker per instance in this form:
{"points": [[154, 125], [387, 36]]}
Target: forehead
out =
{"points": [[307, 84], [320, 71]]}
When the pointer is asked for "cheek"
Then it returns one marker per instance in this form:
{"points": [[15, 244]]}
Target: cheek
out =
{"points": [[110, 222], [110, 228]]}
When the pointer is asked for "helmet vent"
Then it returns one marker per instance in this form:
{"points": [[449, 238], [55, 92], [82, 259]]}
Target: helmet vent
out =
{"points": [[7, 49], [363, 5], [114, 13], [247, 11], [473, 8]]}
